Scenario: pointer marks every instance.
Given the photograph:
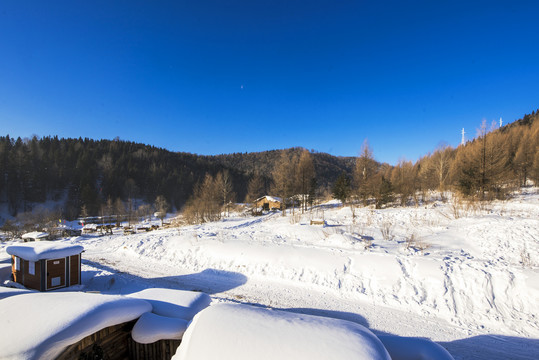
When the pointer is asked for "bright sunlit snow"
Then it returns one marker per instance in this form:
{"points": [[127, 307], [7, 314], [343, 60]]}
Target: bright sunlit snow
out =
{"points": [[466, 278], [40, 325], [35, 251], [240, 332], [174, 303], [151, 328]]}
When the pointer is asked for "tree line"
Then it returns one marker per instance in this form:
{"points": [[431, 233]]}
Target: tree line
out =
{"points": [[86, 175], [496, 162], [94, 177]]}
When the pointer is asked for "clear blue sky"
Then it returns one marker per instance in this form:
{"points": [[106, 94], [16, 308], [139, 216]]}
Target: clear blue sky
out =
{"points": [[213, 77]]}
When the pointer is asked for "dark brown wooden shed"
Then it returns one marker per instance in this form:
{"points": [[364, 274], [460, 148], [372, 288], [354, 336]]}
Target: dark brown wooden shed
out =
{"points": [[46, 265]]}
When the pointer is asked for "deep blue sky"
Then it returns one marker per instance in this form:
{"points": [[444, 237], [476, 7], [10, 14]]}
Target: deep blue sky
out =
{"points": [[214, 77]]}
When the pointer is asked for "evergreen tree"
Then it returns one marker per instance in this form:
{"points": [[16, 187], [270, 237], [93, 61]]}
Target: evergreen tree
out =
{"points": [[341, 188]]}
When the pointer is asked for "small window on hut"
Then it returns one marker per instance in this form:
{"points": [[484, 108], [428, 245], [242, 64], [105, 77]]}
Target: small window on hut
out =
{"points": [[17, 263], [31, 268]]}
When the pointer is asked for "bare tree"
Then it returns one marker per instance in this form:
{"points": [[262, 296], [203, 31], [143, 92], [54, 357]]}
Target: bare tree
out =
{"points": [[131, 189], [283, 178], [535, 168], [106, 212], [304, 177], [482, 166], [161, 205], [524, 157], [204, 205], [255, 189], [109, 207], [119, 209], [403, 179], [223, 182], [83, 211], [434, 169], [144, 212], [440, 163]]}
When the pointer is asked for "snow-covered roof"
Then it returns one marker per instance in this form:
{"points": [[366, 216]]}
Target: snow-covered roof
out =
{"points": [[174, 303], [413, 348], [8, 291], [43, 250], [270, 198], [35, 235], [238, 332], [41, 325], [151, 328]]}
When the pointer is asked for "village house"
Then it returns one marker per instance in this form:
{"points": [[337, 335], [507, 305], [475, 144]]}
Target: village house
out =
{"points": [[35, 236], [46, 265], [268, 203]]}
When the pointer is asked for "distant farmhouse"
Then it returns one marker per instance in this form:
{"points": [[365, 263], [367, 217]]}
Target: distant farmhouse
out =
{"points": [[46, 265], [35, 236], [268, 203]]}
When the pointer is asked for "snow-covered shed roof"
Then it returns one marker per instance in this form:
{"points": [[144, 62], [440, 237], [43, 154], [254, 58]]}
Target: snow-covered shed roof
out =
{"points": [[174, 303], [35, 235], [270, 198], [413, 348], [151, 328], [43, 250], [241, 332], [7, 292], [62, 319]]}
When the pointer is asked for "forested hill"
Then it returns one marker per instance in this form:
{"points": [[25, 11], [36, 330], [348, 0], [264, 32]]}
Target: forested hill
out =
{"points": [[88, 172], [327, 167]]}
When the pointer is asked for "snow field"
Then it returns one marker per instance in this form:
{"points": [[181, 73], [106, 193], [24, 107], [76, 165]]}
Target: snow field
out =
{"points": [[458, 277], [470, 273]]}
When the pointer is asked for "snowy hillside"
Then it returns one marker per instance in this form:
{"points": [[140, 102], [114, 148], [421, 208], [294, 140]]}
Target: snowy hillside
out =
{"points": [[420, 272]]}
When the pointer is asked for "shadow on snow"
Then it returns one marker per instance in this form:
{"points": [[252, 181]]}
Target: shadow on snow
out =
{"points": [[209, 281]]}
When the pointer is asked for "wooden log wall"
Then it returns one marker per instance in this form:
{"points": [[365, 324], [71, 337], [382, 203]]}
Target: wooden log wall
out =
{"points": [[116, 343]]}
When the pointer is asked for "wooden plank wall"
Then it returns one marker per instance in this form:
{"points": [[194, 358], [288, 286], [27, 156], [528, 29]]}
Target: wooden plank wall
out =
{"points": [[160, 350], [74, 267], [56, 270], [29, 280], [116, 343], [109, 343]]}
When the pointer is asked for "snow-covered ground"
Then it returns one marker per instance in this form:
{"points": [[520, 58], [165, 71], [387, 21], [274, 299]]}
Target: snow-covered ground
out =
{"points": [[469, 283]]}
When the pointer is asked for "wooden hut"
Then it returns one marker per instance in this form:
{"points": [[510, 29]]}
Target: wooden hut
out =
{"points": [[268, 202], [35, 236], [46, 265]]}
